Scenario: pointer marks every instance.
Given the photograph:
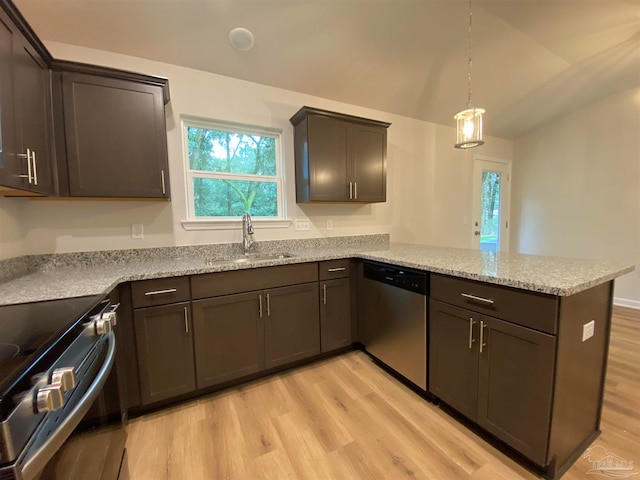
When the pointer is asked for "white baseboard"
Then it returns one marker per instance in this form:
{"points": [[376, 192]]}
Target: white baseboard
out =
{"points": [[625, 302]]}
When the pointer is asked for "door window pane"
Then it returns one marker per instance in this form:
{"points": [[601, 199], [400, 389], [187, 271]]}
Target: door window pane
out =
{"points": [[490, 214]]}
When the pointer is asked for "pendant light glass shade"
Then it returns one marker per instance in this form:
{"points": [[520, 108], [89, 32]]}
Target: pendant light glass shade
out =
{"points": [[469, 128], [469, 121]]}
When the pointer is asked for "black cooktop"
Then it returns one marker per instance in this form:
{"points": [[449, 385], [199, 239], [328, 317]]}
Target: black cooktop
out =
{"points": [[32, 335]]}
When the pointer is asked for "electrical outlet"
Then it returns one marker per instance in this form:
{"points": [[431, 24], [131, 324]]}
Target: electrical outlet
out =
{"points": [[329, 224], [302, 224], [137, 230], [587, 330]]}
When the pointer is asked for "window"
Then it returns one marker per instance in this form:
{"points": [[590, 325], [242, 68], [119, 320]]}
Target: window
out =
{"points": [[232, 169]]}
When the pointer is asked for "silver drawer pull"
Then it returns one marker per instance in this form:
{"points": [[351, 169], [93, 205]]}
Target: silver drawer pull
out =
{"points": [[478, 299], [471, 339], [337, 269], [160, 292]]}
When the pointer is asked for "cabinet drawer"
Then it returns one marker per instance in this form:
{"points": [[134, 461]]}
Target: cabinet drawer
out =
{"points": [[161, 291], [529, 309], [238, 281], [334, 269]]}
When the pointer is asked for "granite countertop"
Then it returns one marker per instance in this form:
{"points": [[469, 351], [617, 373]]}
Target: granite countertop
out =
{"points": [[99, 274]]}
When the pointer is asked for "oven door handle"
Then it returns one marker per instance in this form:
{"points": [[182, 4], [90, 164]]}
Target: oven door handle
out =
{"points": [[34, 462]]}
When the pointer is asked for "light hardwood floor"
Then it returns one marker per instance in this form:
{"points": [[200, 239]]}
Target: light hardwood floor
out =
{"points": [[345, 418]]}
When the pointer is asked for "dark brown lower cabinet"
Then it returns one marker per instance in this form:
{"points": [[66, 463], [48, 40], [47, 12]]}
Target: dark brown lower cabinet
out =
{"points": [[496, 373], [292, 327], [335, 314], [229, 338], [240, 334], [165, 351]]}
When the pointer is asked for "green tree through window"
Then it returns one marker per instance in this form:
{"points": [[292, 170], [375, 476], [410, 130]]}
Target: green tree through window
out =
{"points": [[233, 171]]}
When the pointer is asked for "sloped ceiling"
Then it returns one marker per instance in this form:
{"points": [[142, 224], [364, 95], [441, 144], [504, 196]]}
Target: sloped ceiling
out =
{"points": [[533, 60]]}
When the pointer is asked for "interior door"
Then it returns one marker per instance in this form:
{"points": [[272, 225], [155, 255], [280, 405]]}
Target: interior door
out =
{"points": [[491, 198]]}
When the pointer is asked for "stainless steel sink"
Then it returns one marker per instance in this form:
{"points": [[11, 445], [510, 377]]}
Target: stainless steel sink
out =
{"points": [[251, 258]]}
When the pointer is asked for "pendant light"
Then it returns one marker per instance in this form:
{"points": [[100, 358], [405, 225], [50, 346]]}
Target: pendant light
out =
{"points": [[469, 120]]}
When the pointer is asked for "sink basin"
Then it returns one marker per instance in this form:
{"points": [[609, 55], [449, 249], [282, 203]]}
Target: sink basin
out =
{"points": [[250, 258]]}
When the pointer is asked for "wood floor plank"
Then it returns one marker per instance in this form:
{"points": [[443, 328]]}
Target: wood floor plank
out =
{"points": [[345, 418]]}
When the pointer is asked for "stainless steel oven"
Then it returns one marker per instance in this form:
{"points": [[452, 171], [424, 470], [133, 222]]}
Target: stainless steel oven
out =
{"points": [[59, 398]]}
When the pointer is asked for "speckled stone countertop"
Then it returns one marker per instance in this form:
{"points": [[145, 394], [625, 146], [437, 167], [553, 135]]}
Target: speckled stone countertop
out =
{"points": [[99, 272]]}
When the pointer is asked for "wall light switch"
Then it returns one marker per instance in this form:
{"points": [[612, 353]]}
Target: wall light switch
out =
{"points": [[302, 224], [137, 230], [587, 330]]}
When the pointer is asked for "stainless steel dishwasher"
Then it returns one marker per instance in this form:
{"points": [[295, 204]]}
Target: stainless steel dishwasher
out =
{"points": [[392, 318]]}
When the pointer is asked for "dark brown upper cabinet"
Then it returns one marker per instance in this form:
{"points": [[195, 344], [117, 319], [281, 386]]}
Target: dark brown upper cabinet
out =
{"points": [[339, 158], [110, 128], [26, 161]]}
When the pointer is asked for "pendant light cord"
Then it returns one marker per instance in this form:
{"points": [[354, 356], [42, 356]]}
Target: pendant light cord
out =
{"points": [[469, 55]]}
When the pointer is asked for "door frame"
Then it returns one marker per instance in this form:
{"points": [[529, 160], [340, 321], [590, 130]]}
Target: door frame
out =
{"points": [[479, 163]]}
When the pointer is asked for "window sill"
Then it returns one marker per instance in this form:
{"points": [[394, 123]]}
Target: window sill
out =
{"points": [[234, 224]]}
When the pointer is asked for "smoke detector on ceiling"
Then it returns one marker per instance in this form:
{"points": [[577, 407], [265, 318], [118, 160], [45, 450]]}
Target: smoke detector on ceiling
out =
{"points": [[241, 38]]}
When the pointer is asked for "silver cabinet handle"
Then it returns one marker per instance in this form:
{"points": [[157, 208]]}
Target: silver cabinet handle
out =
{"points": [[471, 339], [355, 190], [29, 175], [482, 326], [350, 190], [260, 305], [164, 189], [337, 269], [35, 171], [268, 305], [160, 292], [186, 321], [324, 294], [478, 299]]}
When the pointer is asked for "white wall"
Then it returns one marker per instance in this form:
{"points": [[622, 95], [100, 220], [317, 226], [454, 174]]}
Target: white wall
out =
{"points": [[428, 189], [12, 242], [576, 188]]}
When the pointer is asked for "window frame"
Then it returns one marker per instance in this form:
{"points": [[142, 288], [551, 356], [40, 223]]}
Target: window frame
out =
{"points": [[193, 222]]}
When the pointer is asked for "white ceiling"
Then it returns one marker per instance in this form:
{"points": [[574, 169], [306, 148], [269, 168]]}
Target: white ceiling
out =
{"points": [[533, 60]]}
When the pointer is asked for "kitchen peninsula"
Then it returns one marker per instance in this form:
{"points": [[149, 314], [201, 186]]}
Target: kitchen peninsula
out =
{"points": [[509, 335]]}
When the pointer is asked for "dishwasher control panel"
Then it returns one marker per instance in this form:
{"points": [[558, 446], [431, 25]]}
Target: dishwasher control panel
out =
{"points": [[405, 278]]}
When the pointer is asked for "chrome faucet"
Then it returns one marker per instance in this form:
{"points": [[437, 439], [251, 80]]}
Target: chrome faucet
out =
{"points": [[247, 231]]}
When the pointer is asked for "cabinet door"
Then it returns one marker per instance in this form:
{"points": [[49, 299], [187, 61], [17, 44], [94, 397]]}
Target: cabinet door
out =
{"points": [[328, 151], [292, 326], [335, 314], [116, 137], [33, 110], [165, 351], [10, 163], [515, 386], [368, 163], [453, 356], [229, 338]]}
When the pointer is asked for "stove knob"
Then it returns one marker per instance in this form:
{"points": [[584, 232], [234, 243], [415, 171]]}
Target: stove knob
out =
{"points": [[49, 398], [112, 317], [103, 325], [66, 377]]}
